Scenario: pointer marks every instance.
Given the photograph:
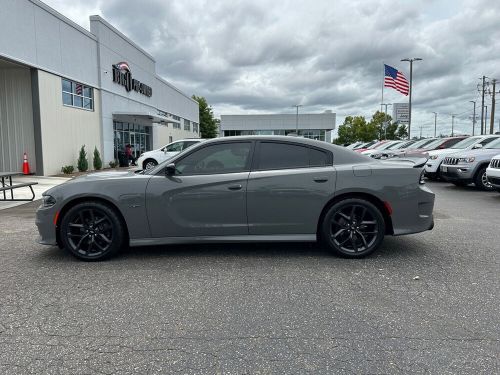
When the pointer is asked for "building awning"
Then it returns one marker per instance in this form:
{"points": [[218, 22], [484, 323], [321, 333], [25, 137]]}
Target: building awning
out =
{"points": [[144, 118]]}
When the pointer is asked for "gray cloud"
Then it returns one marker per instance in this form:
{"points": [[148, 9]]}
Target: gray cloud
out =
{"points": [[263, 56]]}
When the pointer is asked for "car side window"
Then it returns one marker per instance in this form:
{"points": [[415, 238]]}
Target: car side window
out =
{"points": [[273, 155], [189, 144], [216, 159], [484, 142], [174, 147]]}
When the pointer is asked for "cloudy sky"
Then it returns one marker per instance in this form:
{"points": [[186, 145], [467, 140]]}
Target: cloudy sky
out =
{"points": [[263, 57]]}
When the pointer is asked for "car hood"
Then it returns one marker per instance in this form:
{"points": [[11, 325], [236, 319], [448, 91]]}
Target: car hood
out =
{"points": [[103, 176], [444, 151], [484, 152]]}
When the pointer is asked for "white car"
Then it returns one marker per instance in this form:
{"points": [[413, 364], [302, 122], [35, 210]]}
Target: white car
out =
{"points": [[378, 151], [436, 157], [493, 172], [151, 159]]}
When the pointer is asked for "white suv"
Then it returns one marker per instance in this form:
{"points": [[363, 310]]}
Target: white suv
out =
{"points": [[436, 157], [151, 159], [493, 172]]}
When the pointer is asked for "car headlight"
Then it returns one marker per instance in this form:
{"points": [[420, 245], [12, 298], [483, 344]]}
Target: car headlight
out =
{"points": [[433, 157], [48, 201], [467, 159], [376, 156], [141, 155]]}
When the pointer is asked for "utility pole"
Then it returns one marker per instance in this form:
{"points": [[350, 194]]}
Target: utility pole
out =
{"points": [[486, 120], [492, 120], [482, 106], [297, 119], [473, 116], [435, 123], [411, 81], [453, 124]]}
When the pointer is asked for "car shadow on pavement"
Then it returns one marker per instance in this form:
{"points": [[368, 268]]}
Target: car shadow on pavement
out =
{"points": [[392, 248]]}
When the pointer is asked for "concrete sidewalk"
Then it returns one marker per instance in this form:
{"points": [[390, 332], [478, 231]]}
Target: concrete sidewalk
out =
{"points": [[44, 184]]}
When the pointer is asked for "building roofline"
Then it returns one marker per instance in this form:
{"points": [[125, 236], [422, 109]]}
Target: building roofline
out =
{"points": [[63, 18], [121, 35], [175, 88]]}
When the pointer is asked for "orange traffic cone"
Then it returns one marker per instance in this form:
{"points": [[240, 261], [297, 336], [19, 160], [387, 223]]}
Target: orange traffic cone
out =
{"points": [[26, 165]]}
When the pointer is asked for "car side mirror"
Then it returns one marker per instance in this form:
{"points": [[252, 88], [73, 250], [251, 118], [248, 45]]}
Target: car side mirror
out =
{"points": [[479, 145], [170, 169]]}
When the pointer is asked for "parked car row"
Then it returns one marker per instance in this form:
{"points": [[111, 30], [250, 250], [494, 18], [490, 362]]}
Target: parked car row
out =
{"points": [[460, 160]]}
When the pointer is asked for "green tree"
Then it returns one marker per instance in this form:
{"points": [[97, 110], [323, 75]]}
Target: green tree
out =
{"points": [[97, 159], [355, 128], [82, 164], [208, 124], [386, 128]]}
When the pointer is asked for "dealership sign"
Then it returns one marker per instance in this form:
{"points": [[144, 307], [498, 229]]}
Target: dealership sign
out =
{"points": [[401, 113], [123, 76]]}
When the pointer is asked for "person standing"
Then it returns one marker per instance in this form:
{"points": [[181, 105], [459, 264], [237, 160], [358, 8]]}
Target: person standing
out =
{"points": [[129, 154]]}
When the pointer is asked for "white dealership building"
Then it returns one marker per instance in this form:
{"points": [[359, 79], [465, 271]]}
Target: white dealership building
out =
{"points": [[62, 86], [308, 125]]}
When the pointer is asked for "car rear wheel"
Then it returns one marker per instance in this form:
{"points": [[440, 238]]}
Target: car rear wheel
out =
{"points": [[481, 180], [92, 231], [353, 228], [149, 164]]}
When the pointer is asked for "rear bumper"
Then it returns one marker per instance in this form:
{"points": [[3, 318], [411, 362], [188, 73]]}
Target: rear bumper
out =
{"points": [[415, 214]]}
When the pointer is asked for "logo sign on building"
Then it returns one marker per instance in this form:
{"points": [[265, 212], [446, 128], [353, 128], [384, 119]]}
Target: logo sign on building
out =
{"points": [[401, 113], [123, 76]]}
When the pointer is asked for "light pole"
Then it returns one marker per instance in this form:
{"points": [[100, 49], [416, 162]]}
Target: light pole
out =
{"points": [[473, 116], [452, 124], [297, 119], [410, 60], [435, 123], [385, 118]]}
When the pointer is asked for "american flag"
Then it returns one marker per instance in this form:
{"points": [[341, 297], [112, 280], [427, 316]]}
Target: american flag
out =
{"points": [[395, 79]]}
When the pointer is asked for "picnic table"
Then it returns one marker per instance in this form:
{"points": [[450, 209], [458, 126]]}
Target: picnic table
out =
{"points": [[7, 185]]}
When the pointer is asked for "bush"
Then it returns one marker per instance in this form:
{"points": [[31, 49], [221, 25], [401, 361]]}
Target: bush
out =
{"points": [[113, 164], [97, 159], [67, 169], [82, 163]]}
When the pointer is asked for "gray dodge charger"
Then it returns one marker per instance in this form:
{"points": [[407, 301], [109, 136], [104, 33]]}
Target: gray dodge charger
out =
{"points": [[241, 189]]}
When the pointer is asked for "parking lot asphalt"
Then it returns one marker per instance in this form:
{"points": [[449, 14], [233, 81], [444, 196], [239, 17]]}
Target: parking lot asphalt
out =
{"points": [[425, 303]]}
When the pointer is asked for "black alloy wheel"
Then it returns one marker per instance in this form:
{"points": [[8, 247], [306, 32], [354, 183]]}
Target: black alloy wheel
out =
{"points": [[353, 228], [149, 164], [481, 180], [92, 231]]}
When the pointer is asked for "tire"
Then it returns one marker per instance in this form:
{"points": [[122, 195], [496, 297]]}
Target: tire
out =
{"points": [[92, 231], [148, 164], [459, 183], [481, 181], [353, 228]]}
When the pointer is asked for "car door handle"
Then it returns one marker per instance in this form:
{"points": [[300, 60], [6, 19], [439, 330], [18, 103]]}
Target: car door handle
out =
{"points": [[320, 179], [235, 187]]}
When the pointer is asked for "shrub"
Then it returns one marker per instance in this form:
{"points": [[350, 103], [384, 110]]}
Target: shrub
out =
{"points": [[97, 159], [82, 163], [67, 169], [113, 164]]}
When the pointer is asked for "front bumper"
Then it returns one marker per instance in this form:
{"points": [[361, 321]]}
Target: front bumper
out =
{"points": [[493, 175], [461, 172], [44, 221]]}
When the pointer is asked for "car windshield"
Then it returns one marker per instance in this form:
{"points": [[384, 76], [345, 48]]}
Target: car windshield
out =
{"points": [[404, 145], [386, 146], [465, 143], [420, 143], [434, 144], [493, 144]]}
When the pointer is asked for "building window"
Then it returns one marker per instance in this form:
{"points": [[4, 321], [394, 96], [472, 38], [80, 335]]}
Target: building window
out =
{"points": [[195, 127], [176, 125], [187, 125], [137, 136], [78, 95]]}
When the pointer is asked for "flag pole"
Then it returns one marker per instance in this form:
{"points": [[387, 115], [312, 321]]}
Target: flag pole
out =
{"points": [[383, 77]]}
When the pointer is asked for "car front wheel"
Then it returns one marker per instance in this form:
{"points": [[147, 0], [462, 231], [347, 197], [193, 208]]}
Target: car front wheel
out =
{"points": [[481, 180], [149, 164], [353, 228], [92, 231]]}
